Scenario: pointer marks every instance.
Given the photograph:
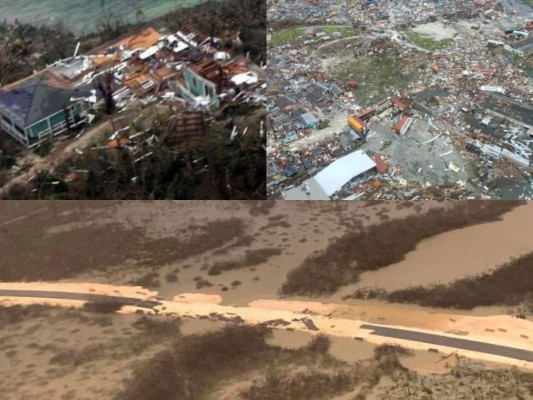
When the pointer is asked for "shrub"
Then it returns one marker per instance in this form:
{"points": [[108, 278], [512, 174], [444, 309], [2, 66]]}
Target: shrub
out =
{"points": [[509, 284], [104, 306]]}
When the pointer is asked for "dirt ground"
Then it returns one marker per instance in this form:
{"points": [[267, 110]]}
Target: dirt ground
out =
{"points": [[436, 30]]}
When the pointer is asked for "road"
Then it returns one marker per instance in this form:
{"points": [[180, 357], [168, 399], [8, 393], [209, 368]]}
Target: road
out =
{"points": [[457, 343], [489, 348], [125, 301]]}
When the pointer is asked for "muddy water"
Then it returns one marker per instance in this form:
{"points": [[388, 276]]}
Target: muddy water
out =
{"points": [[427, 362], [289, 339], [456, 254], [264, 280], [344, 349], [351, 350], [311, 229], [199, 326], [316, 228]]}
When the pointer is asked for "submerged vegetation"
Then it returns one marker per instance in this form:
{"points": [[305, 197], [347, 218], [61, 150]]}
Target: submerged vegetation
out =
{"points": [[205, 366], [22, 250], [197, 365], [509, 284]]}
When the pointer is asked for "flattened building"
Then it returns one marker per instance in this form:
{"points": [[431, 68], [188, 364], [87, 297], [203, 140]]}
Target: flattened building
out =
{"points": [[508, 108]]}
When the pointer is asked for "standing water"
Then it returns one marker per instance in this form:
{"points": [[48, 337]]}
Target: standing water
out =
{"points": [[83, 16]]}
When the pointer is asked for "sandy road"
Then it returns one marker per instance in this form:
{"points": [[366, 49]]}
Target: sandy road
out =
{"points": [[488, 348]]}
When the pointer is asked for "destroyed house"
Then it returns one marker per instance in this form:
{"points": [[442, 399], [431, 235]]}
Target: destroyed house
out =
{"points": [[334, 90], [315, 97], [366, 114], [39, 108], [508, 108], [525, 46], [140, 41], [205, 81], [348, 140], [284, 103], [382, 167], [396, 102], [309, 120], [188, 131], [182, 69], [403, 126]]}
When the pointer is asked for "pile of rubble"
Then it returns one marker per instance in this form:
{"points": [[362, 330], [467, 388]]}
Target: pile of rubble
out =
{"points": [[477, 91], [184, 70]]}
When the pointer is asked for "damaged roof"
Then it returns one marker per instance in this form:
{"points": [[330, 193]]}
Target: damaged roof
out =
{"points": [[36, 99], [142, 40], [509, 107]]}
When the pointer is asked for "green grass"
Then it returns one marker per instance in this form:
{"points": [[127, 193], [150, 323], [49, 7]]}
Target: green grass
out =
{"points": [[426, 42], [287, 35], [380, 73], [292, 34]]}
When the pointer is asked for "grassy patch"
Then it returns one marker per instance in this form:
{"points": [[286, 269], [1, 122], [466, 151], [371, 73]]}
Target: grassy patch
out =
{"points": [[25, 245], [344, 31], [17, 313], [292, 34], [287, 35], [380, 245], [381, 72], [427, 42]]}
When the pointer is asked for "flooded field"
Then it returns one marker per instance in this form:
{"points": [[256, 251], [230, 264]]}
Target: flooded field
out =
{"points": [[454, 255], [168, 253]]}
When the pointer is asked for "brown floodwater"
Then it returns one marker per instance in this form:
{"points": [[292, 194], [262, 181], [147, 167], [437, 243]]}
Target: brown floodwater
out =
{"points": [[289, 339], [456, 254]]}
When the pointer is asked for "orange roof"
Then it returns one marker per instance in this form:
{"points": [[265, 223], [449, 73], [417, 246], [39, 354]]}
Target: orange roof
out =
{"points": [[141, 40], [236, 67], [164, 72], [135, 81], [103, 59], [484, 70], [398, 127]]}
